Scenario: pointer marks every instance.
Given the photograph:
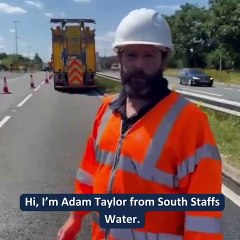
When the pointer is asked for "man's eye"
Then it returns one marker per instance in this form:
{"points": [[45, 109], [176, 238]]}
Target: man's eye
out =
{"points": [[131, 55], [149, 56]]}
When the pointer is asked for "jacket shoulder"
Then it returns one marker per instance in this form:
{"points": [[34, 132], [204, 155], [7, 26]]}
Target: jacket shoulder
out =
{"points": [[106, 100], [109, 98]]}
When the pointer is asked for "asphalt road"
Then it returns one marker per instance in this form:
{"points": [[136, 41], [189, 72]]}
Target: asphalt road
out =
{"points": [[40, 148], [218, 90], [9, 74]]}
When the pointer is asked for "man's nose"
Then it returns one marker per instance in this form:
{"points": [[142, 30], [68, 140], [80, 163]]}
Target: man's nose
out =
{"points": [[139, 62]]}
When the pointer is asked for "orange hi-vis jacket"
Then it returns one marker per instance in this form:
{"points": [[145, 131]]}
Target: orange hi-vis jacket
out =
{"points": [[170, 150]]}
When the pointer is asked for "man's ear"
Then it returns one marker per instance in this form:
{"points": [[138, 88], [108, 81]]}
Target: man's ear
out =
{"points": [[120, 57], [165, 60]]}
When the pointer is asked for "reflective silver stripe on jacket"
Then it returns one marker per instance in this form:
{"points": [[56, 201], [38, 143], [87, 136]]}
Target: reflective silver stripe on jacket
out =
{"points": [[204, 224], [188, 165], [84, 177], [131, 166], [159, 140], [131, 234], [147, 170], [104, 121]]}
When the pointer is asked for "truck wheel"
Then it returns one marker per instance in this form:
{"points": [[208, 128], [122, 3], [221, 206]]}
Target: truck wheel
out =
{"points": [[54, 84]]}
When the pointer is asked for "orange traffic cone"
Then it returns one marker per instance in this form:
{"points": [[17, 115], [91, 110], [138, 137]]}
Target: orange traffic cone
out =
{"points": [[46, 80], [32, 85], [5, 87]]}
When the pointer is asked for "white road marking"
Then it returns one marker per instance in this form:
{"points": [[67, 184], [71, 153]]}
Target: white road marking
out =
{"points": [[237, 104], [231, 195], [42, 82], [216, 107], [214, 94], [21, 103], [228, 88], [14, 110], [4, 120], [37, 88]]}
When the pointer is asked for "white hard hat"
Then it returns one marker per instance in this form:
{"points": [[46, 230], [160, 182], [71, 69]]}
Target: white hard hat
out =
{"points": [[143, 26]]}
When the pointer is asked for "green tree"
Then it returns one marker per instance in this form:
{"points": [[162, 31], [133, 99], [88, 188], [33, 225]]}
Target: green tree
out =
{"points": [[225, 27], [190, 34], [3, 56], [37, 59]]}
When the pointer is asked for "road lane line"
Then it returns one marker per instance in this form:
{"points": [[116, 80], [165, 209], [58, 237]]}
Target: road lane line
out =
{"points": [[231, 195], [37, 88], [4, 120], [21, 103], [214, 94], [221, 109], [219, 100], [228, 88], [42, 82]]}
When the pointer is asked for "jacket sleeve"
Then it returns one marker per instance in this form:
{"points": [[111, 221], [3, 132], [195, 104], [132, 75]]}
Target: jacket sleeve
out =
{"points": [[202, 174], [84, 179]]}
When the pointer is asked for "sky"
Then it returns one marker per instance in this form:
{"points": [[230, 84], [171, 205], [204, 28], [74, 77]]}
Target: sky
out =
{"points": [[33, 26]]}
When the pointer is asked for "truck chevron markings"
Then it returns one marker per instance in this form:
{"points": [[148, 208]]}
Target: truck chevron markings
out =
{"points": [[75, 74]]}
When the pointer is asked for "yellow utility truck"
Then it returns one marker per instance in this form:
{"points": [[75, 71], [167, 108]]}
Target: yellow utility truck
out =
{"points": [[73, 53]]}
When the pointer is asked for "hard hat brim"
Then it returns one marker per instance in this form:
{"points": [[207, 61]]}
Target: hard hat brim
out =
{"points": [[164, 47]]}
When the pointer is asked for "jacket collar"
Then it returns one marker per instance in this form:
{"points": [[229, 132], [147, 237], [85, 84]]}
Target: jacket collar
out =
{"points": [[119, 101]]}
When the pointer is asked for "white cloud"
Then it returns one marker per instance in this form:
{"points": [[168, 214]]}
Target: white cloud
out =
{"points": [[168, 9], [105, 50], [2, 46], [108, 37], [1, 39], [12, 30], [24, 44], [104, 43], [62, 14], [82, 1], [5, 8], [49, 14], [36, 4], [31, 55]]}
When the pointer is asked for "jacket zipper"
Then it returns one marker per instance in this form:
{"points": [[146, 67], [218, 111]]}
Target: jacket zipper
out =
{"points": [[115, 167], [113, 171]]}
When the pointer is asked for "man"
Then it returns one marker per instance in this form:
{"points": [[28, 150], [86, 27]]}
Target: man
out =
{"points": [[149, 140]]}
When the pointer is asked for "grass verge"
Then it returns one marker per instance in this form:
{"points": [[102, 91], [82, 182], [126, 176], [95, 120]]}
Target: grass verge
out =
{"points": [[225, 127], [225, 76], [105, 85]]}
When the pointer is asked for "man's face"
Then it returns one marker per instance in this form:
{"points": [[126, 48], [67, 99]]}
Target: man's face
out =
{"points": [[141, 70]]}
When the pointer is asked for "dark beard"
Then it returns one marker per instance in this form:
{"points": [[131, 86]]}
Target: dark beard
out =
{"points": [[146, 88]]}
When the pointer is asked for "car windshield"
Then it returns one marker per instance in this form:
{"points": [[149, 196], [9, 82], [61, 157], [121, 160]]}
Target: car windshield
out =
{"points": [[195, 72]]}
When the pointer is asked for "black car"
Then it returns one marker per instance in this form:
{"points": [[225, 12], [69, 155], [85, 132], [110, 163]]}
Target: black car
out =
{"points": [[194, 77]]}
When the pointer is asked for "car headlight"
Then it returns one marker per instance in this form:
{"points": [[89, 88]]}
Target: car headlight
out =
{"points": [[211, 78]]}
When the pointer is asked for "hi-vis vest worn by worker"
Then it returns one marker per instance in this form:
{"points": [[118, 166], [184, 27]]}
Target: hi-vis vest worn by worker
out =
{"points": [[171, 150]]}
